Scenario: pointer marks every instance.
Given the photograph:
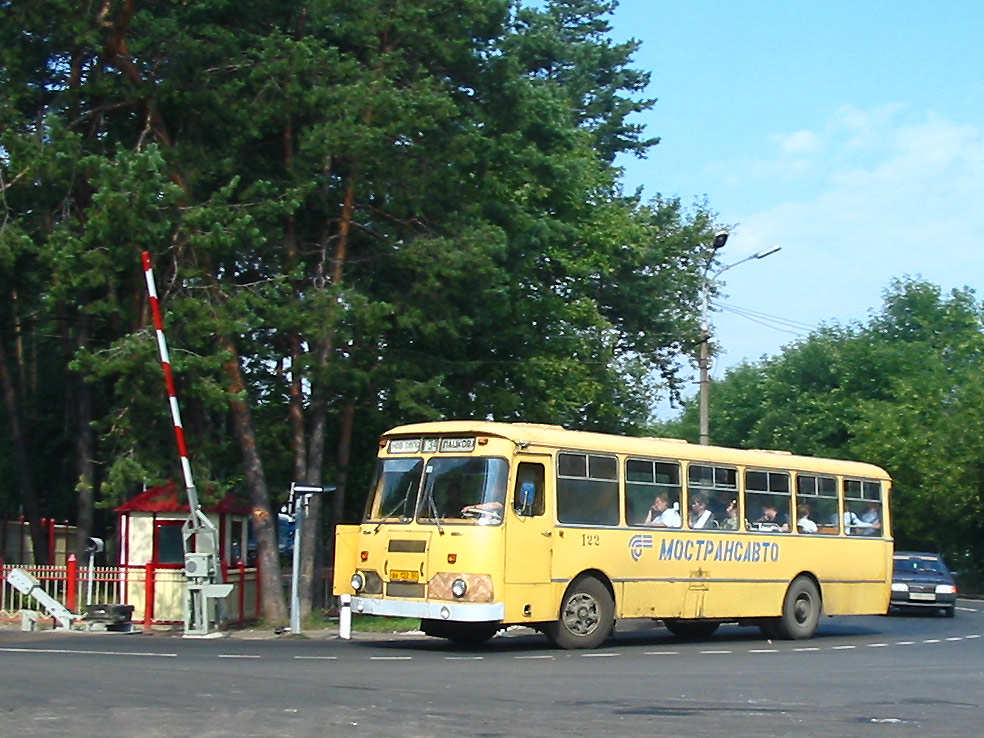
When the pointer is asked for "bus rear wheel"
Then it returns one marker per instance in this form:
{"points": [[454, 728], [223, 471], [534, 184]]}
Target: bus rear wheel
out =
{"points": [[694, 629], [800, 610], [587, 614]]}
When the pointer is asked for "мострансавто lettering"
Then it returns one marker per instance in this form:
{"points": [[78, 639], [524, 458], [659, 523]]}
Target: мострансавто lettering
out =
{"points": [[718, 550]]}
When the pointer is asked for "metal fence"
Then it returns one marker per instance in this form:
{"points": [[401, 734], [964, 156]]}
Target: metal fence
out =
{"points": [[157, 594]]}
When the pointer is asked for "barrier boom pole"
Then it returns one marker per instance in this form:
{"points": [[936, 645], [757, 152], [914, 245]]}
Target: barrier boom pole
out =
{"points": [[172, 395], [200, 537]]}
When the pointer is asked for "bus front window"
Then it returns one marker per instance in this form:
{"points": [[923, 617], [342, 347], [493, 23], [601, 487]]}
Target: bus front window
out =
{"points": [[395, 490], [464, 489]]}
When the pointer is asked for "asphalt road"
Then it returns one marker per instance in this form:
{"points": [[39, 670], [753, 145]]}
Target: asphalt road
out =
{"points": [[896, 676]]}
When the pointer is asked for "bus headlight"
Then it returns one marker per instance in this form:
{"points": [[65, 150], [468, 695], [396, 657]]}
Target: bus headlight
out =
{"points": [[459, 587], [357, 582]]}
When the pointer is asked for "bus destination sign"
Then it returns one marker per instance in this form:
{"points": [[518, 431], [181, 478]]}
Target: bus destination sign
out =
{"points": [[431, 445]]}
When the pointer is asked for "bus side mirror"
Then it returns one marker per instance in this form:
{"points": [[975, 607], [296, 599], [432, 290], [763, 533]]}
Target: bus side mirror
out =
{"points": [[527, 496]]}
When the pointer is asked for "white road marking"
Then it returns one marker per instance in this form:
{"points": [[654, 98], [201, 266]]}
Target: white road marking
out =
{"points": [[79, 652]]}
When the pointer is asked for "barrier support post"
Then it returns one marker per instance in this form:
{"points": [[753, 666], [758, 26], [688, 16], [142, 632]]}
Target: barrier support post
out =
{"points": [[71, 583]]}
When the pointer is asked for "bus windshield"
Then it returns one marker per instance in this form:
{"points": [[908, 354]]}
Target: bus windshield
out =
{"points": [[455, 489], [463, 489], [395, 491]]}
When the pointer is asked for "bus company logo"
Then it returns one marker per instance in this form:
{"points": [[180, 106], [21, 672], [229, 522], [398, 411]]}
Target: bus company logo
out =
{"points": [[638, 543]]}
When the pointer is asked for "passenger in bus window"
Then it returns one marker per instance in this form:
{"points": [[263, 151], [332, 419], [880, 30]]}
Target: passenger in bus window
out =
{"points": [[868, 523], [700, 513], [661, 514], [730, 521], [772, 519], [804, 524]]}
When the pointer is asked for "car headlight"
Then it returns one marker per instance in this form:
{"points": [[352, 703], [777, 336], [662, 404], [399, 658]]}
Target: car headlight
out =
{"points": [[900, 587], [945, 589], [459, 587], [357, 582]]}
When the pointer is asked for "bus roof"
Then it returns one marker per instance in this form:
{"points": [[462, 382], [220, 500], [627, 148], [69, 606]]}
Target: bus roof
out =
{"points": [[555, 436]]}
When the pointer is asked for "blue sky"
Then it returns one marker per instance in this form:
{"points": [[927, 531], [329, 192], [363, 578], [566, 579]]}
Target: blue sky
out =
{"points": [[849, 133]]}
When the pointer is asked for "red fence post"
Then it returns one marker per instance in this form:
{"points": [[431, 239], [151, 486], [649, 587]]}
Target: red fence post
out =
{"points": [[52, 547], [148, 595], [71, 583]]}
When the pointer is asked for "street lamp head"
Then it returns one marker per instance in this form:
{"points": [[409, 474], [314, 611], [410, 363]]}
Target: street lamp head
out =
{"points": [[767, 252], [720, 238]]}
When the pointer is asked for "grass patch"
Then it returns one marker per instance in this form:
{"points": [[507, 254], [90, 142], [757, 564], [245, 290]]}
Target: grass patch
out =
{"points": [[370, 623], [381, 624]]}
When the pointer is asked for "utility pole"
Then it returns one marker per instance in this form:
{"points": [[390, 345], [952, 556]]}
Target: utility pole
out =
{"points": [[704, 362]]}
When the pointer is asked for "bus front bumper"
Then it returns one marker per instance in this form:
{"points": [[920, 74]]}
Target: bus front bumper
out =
{"points": [[465, 612]]}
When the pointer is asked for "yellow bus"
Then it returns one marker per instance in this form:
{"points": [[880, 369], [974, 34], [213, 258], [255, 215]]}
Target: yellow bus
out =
{"points": [[474, 526]]}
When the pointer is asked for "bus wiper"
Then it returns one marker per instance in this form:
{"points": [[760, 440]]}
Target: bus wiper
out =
{"points": [[402, 503], [433, 513]]}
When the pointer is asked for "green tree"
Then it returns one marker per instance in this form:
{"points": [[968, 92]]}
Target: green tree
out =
{"points": [[360, 214], [903, 391]]}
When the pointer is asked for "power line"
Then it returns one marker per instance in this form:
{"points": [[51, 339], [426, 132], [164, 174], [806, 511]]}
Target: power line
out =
{"points": [[775, 322]]}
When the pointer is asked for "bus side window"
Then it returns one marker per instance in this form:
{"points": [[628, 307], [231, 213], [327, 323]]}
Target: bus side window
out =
{"points": [[528, 497]]}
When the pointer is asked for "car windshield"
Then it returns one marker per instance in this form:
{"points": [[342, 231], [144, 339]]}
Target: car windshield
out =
{"points": [[918, 565]]}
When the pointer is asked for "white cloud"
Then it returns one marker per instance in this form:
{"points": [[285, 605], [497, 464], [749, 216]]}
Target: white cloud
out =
{"points": [[866, 197]]}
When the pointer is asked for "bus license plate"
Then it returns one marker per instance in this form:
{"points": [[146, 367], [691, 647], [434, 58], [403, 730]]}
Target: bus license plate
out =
{"points": [[927, 596], [402, 575]]}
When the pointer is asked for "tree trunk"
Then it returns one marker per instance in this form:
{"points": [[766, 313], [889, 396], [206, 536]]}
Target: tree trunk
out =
{"points": [[264, 525], [343, 454], [85, 451], [29, 499]]}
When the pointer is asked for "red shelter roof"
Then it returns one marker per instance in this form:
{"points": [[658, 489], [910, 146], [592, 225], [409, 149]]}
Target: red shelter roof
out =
{"points": [[169, 499]]}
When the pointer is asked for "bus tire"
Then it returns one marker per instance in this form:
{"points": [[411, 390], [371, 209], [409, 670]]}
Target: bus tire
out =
{"points": [[586, 618], [466, 635], [691, 629], [800, 610]]}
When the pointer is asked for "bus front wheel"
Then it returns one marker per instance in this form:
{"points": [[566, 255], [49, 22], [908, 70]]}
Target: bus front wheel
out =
{"points": [[587, 614], [800, 610]]}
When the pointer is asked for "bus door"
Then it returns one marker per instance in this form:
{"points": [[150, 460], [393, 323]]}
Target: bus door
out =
{"points": [[529, 530]]}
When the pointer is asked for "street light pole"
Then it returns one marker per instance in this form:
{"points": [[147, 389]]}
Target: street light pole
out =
{"points": [[704, 361]]}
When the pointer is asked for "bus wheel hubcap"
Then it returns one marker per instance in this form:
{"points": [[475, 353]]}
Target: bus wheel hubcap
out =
{"points": [[802, 609], [581, 614]]}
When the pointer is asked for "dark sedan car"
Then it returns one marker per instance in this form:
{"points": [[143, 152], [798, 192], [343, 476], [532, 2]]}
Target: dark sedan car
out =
{"points": [[922, 580]]}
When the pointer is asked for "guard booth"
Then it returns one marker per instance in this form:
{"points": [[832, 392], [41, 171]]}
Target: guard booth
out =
{"points": [[149, 530]]}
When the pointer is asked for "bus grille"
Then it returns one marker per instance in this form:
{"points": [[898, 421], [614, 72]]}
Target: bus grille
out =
{"points": [[403, 546], [404, 589]]}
